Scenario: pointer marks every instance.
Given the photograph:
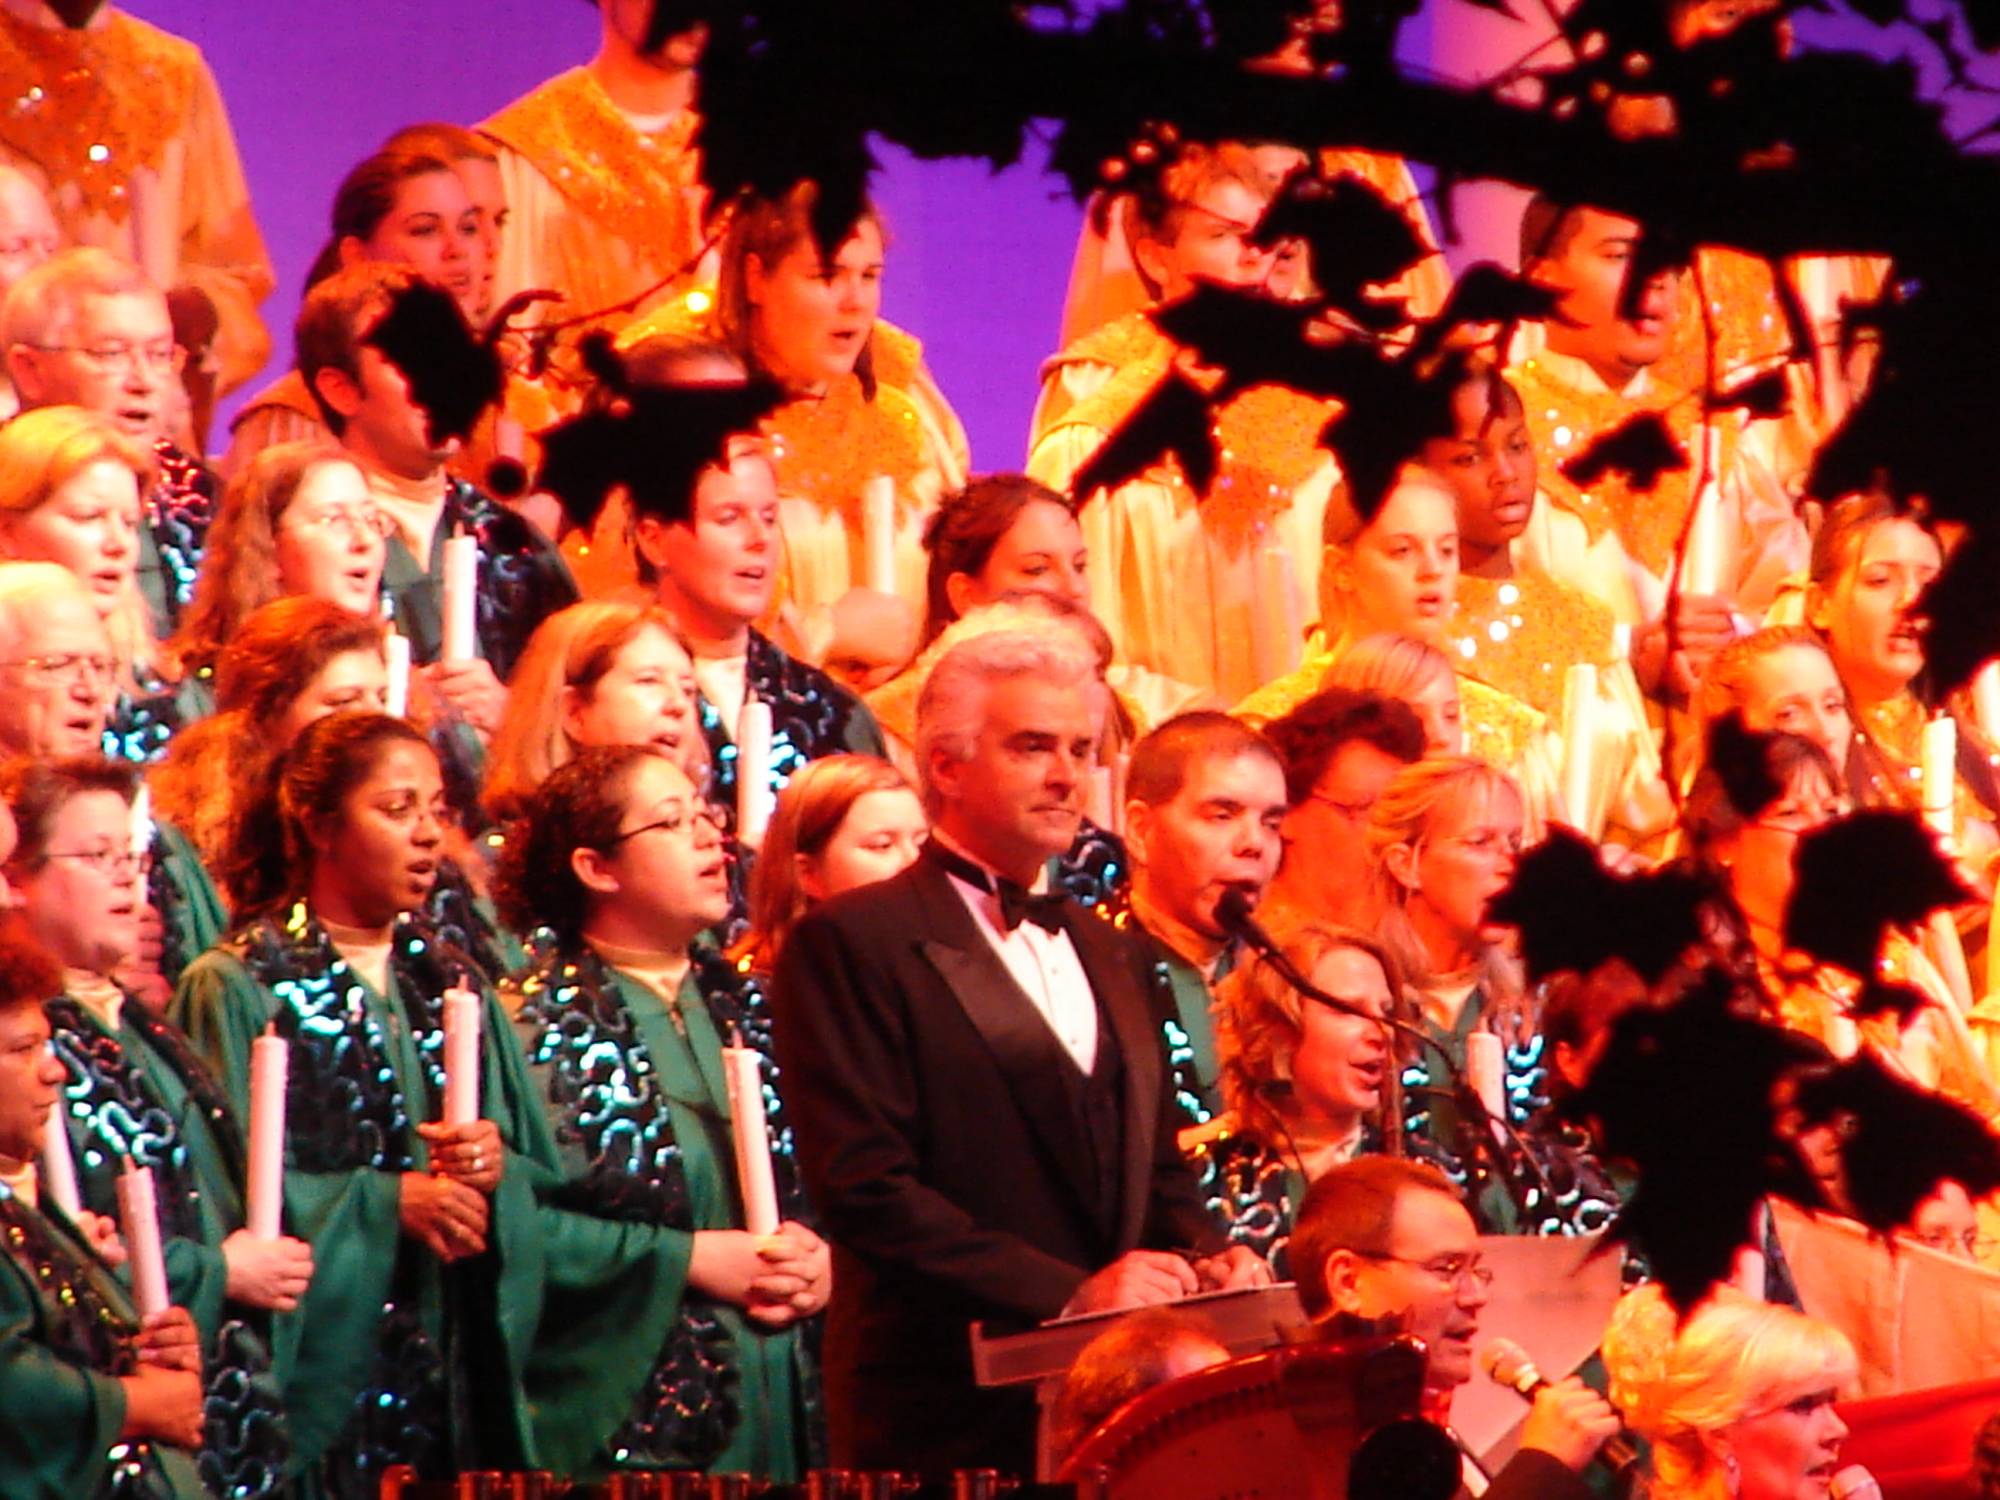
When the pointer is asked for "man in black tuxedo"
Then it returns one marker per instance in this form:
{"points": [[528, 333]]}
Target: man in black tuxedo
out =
{"points": [[977, 1082]]}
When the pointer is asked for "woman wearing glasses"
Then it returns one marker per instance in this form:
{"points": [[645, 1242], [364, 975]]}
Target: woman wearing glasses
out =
{"points": [[71, 492], [427, 1257], [696, 1357], [1443, 837], [297, 520], [1750, 804], [136, 1090]]}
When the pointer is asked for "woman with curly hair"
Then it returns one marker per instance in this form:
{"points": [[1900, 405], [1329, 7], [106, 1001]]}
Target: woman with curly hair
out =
{"points": [[427, 1244], [1308, 1085], [698, 1359]]}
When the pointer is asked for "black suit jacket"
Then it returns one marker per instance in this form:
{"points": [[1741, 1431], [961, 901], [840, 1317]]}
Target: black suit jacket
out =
{"points": [[932, 1125]]}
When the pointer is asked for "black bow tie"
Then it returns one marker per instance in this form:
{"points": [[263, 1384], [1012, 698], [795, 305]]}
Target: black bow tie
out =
{"points": [[1018, 904]]}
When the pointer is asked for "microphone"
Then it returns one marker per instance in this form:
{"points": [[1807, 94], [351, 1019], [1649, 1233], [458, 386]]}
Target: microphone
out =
{"points": [[1854, 1483], [1233, 916], [1507, 1363]]}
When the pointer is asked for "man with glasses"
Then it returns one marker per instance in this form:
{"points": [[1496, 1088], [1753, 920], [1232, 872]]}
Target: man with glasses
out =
{"points": [[88, 329], [1339, 748], [56, 664], [1205, 797], [1382, 1237]]}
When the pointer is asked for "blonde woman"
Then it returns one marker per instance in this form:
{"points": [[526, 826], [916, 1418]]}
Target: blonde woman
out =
{"points": [[842, 821], [1443, 838], [1736, 1401], [72, 490], [604, 672]]}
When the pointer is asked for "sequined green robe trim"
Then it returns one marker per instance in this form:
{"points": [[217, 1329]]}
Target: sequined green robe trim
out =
{"points": [[643, 1372]]}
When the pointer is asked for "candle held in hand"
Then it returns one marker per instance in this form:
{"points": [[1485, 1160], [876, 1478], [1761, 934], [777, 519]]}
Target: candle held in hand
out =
{"points": [[753, 1144], [461, 585], [139, 1219], [461, 1056], [269, 1058]]}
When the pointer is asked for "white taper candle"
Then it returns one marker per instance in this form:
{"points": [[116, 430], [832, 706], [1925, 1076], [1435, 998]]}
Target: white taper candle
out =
{"points": [[753, 1143], [139, 1220], [270, 1057]]}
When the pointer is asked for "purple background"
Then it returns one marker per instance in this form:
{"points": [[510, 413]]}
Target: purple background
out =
{"points": [[979, 261]]}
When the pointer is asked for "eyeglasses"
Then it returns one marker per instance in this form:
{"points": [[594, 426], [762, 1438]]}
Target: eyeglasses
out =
{"points": [[1452, 1270], [703, 816], [157, 359], [112, 863], [354, 520], [68, 666], [1976, 1245]]}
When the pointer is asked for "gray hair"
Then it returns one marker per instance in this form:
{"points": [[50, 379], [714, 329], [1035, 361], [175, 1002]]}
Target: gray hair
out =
{"points": [[951, 708], [41, 307]]}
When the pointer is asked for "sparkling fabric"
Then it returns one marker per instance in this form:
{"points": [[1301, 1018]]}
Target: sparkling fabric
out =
{"points": [[347, 1113]]}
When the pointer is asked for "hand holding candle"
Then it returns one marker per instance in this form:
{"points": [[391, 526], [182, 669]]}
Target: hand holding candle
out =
{"points": [[139, 1218], [753, 1144], [269, 1058]]}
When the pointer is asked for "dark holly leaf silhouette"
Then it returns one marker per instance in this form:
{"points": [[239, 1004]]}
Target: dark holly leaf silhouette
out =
{"points": [[1661, 248], [452, 375], [1962, 631], [1741, 759], [1173, 420], [1355, 239], [1861, 876], [1255, 339], [1879, 997], [1688, 1095], [1896, 1142], [1486, 293], [1641, 448], [1574, 915], [651, 440], [1763, 396]]}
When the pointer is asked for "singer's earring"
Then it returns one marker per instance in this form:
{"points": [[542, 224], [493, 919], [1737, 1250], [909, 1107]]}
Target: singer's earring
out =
{"points": [[1734, 1471]]}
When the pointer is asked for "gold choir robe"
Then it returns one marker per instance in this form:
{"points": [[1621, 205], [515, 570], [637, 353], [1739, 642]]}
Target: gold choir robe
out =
{"points": [[1568, 406], [601, 207], [124, 129], [826, 450], [1212, 590]]}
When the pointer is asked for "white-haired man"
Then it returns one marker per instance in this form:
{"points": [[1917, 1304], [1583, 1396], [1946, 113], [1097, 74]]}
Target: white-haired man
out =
{"points": [[977, 1080], [87, 329]]}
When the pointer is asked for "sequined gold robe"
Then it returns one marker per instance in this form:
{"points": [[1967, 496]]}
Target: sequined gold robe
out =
{"points": [[124, 129], [1212, 590]]}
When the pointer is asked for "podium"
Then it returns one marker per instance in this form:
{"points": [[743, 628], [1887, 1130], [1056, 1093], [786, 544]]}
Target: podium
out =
{"points": [[1244, 1322]]}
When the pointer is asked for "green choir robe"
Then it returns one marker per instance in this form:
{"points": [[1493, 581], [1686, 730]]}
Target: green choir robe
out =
{"points": [[642, 1371], [364, 1068], [139, 1091], [65, 1322]]}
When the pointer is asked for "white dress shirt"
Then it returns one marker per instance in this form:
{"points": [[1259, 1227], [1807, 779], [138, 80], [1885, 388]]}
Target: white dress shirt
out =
{"points": [[1044, 964]]}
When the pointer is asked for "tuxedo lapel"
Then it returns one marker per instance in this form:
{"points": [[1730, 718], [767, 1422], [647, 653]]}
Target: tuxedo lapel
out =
{"points": [[1108, 962], [1023, 1048]]}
